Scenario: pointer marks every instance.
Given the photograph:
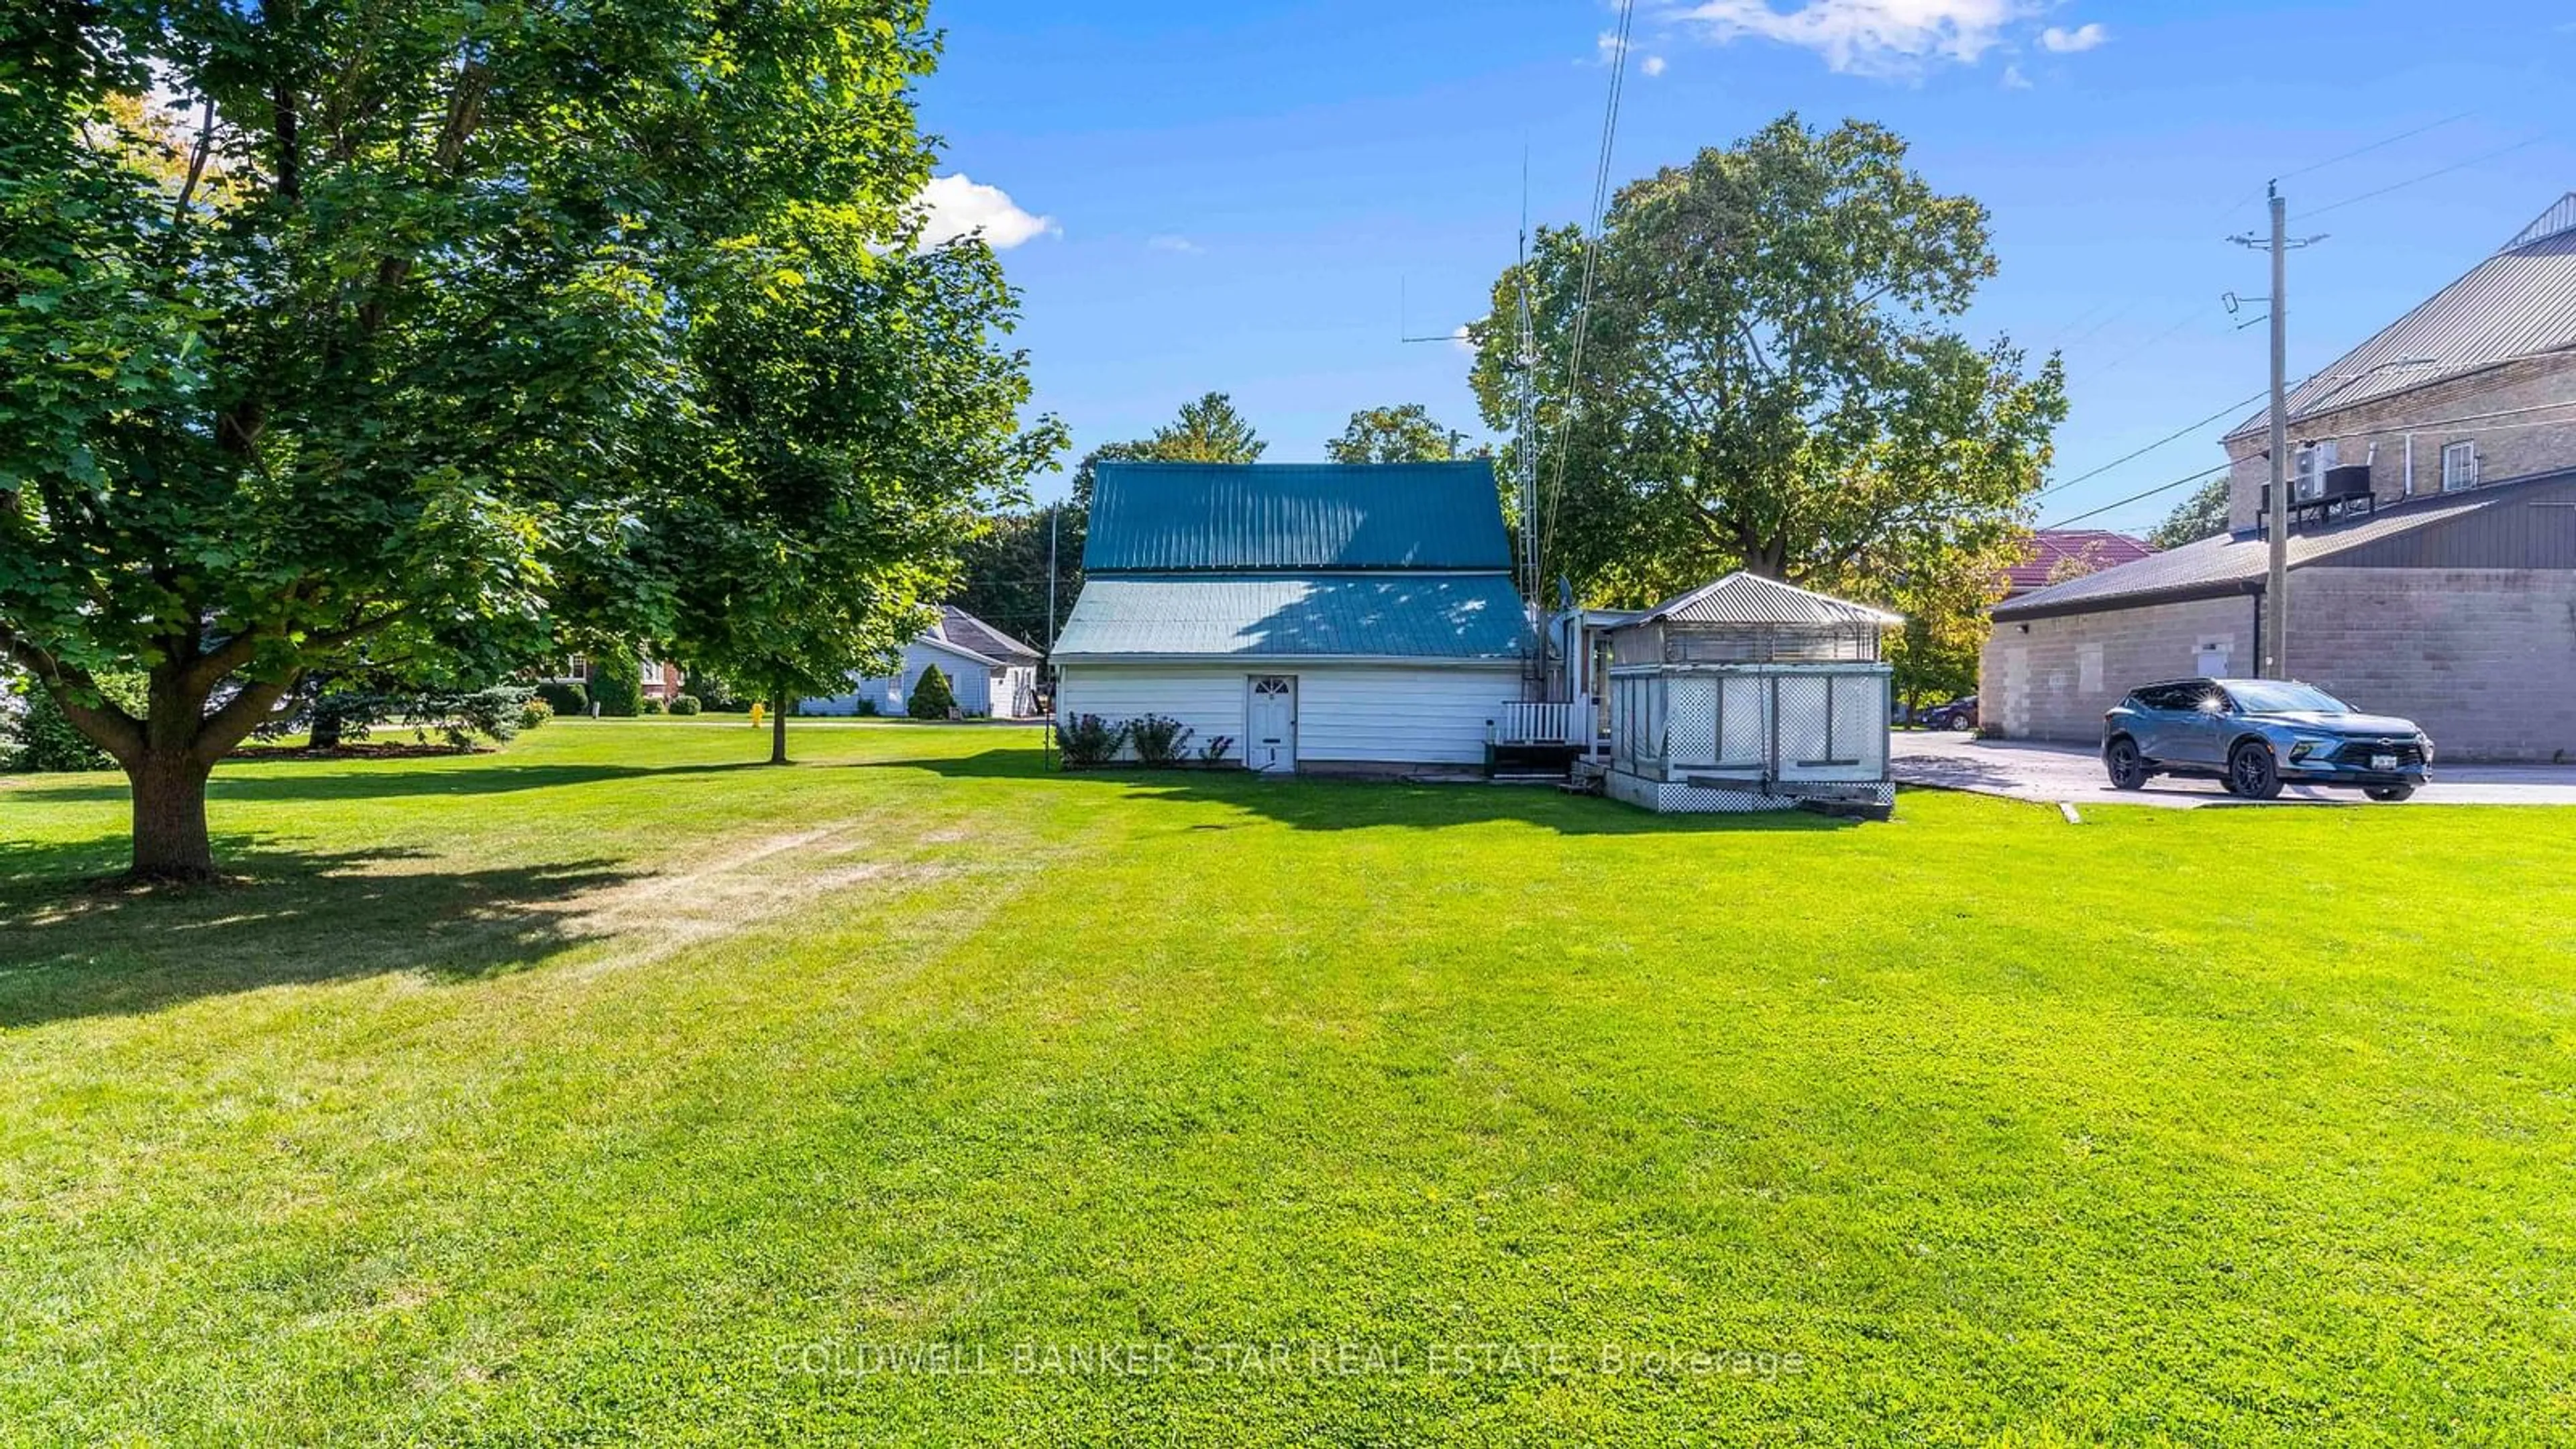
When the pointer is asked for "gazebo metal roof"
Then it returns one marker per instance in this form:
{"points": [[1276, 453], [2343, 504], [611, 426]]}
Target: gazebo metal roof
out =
{"points": [[1743, 598]]}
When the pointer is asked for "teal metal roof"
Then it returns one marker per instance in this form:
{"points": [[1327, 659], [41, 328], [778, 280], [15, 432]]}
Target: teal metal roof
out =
{"points": [[1452, 617], [1220, 517]]}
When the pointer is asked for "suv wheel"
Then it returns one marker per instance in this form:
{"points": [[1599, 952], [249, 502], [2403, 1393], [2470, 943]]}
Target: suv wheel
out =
{"points": [[2389, 793], [2252, 774], [2128, 768]]}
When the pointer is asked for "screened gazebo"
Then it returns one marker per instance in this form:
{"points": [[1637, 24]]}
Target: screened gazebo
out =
{"points": [[1748, 694]]}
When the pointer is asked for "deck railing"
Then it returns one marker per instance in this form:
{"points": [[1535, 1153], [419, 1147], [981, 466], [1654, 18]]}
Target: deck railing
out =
{"points": [[1547, 722]]}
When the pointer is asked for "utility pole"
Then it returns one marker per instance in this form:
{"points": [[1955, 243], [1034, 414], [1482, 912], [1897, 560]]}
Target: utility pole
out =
{"points": [[2276, 585], [1525, 423], [1054, 515]]}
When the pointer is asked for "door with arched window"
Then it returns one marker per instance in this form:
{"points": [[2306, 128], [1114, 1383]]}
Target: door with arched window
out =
{"points": [[1270, 735]]}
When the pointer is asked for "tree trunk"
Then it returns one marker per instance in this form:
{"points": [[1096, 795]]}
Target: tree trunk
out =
{"points": [[170, 839], [778, 730]]}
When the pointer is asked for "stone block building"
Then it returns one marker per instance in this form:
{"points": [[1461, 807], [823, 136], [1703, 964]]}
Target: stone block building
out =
{"points": [[2432, 538]]}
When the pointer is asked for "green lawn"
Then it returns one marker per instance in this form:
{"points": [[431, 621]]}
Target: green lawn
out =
{"points": [[611, 1089]]}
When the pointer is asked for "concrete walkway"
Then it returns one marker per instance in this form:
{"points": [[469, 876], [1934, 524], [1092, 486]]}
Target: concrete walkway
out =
{"points": [[2073, 774]]}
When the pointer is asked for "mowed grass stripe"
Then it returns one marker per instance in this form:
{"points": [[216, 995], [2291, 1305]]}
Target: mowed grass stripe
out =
{"points": [[629, 1074]]}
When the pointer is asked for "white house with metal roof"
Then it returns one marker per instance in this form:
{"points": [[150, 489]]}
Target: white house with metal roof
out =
{"points": [[1317, 617], [989, 672], [2432, 537]]}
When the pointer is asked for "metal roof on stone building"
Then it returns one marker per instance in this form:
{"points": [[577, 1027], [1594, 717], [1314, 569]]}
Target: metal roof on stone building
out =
{"points": [[1430, 617], [1279, 517], [2234, 563], [2519, 303], [1743, 598]]}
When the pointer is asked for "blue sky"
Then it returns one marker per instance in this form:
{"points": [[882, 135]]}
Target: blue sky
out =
{"points": [[1262, 197]]}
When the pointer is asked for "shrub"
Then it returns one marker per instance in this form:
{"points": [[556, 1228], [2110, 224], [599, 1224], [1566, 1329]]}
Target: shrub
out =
{"points": [[534, 713], [650, 705], [868, 707], [617, 684], [42, 738], [46, 740], [457, 717], [1215, 751], [1158, 738], [1090, 740], [686, 704], [931, 696], [565, 696]]}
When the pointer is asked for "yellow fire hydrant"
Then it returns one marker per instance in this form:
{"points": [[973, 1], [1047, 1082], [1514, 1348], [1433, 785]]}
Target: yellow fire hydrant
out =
{"points": [[759, 712]]}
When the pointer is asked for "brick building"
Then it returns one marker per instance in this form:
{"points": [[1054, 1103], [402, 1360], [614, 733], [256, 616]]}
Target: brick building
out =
{"points": [[2432, 538]]}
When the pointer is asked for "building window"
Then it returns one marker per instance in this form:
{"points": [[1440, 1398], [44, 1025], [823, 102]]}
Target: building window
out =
{"points": [[2459, 466]]}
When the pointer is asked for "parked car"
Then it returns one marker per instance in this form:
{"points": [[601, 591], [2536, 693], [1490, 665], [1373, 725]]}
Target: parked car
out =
{"points": [[2254, 735], [1958, 714]]}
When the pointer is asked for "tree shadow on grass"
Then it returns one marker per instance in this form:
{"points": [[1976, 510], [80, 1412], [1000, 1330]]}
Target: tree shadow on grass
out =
{"points": [[358, 779], [70, 949], [1331, 804]]}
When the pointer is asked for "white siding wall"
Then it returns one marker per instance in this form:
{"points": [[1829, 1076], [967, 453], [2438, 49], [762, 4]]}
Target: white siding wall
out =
{"points": [[969, 681], [1209, 701], [1015, 690], [1380, 714], [1407, 716]]}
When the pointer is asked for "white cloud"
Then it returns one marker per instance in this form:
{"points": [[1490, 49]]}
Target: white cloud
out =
{"points": [[2014, 80], [1607, 46], [953, 206], [1462, 339], [1652, 65], [1167, 242], [1870, 37], [2067, 42]]}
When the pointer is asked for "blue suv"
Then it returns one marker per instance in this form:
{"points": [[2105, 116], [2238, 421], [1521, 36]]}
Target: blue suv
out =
{"points": [[2254, 735]]}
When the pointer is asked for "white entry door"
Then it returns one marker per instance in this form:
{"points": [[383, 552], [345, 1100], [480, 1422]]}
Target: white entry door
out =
{"points": [[1271, 724]]}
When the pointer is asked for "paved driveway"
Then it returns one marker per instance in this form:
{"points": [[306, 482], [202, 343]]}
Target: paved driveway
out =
{"points": [[2073, 773]]}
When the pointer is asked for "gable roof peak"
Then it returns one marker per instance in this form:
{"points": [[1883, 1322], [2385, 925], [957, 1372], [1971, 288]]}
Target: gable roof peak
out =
{"points": [[1744, 597]]}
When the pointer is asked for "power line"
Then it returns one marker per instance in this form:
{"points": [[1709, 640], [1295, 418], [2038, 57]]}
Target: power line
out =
{"points": [[2336, 160], [2175, 436], [2452, 427], [2089, 333], [2481, 160], [1545, 526], [2067, 332], [2380, 144], [2203, 476], [2438, 425], [2133, 354]]}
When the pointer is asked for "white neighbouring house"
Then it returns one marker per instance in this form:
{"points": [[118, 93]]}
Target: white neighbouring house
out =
{"points": [[1354, 618], [990, 672]]}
